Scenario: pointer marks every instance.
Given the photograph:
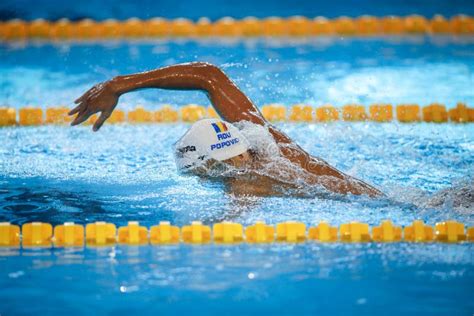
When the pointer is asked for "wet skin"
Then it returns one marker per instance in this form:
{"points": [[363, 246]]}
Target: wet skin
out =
{"points": [[230, 103]]}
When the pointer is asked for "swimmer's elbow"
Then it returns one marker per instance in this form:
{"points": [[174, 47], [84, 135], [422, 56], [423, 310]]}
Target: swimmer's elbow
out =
{"points": [[212, 71], [206, 66]]}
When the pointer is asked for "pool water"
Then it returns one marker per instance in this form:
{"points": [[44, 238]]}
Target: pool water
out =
{"points": [[215, 9], [126, 172]]}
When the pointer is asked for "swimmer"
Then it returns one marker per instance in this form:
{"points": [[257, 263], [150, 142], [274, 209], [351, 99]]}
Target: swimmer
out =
{"points": [[210, 142]]}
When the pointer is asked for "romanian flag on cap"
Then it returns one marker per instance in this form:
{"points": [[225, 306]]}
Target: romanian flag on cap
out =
{"points": [[219, 127]]}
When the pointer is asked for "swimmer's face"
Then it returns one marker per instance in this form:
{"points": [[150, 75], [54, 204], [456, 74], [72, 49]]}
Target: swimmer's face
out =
{"points": [[238, 161]]}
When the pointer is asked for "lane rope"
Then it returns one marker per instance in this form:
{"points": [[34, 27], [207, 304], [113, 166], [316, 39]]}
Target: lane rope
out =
{"points": [[294, 26], [38, 234], [404, 113]]}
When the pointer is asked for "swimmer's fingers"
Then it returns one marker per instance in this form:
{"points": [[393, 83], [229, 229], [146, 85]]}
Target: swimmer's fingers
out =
{"points": [[81, 117], [85, 96], [92, 92], [76, 109], [102, 118], [81, 104], [81, 98]]}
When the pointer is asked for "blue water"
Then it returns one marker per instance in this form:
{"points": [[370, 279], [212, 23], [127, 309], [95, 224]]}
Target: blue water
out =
{"points": [[215, 9], [317, 71], [125, 172], [280, 279]]}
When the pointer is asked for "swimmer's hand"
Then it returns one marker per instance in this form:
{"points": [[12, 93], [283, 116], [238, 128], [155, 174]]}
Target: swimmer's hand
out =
{"points": [[100, 98]]}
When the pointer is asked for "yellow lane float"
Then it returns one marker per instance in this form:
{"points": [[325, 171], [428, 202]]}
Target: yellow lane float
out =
{"points": [[416, 24], [61, 29], [226, 26], [86, 29], [381, 112], [260, 233], [418, 232], [228, 232], [101, 234], [450, 231], [386, 232], [354, 112], [291, 232], [14, 29], [166, 115], [251, 26], [298, 26], [323, 232], [354, 232], [196, 233], [132, 27], [367, 25], [139, 115], [322, 26], [470, 234], [301, 113], [192, 113], [344, 25], [133, 234], [36, 234], [439, 24], [69, 235], [7, 117], [57, 115], [274, 112], [29, 116], [461, 114], [462, 24], [111, 28], [204, 27], [158, 27], [182, 27], [39, 28], [274, 26], [294, 26], [9, 235], [435, 113], [327, 113], [164, 233], [392, 25], [407, 113]]}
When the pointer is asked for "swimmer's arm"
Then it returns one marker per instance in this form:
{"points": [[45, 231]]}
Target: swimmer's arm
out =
{"points": [[231, 103], [228, 100]]}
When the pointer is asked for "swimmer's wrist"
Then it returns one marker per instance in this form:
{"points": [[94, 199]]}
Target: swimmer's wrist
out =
{"points": [[116, 85]]}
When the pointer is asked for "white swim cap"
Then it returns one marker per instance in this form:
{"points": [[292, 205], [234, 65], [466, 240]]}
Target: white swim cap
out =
{"points": [[209, 139]]}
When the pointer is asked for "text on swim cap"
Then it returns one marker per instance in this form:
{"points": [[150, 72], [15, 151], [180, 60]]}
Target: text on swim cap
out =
{"points": [[226, 143], [223, 136], [181, 151]]}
